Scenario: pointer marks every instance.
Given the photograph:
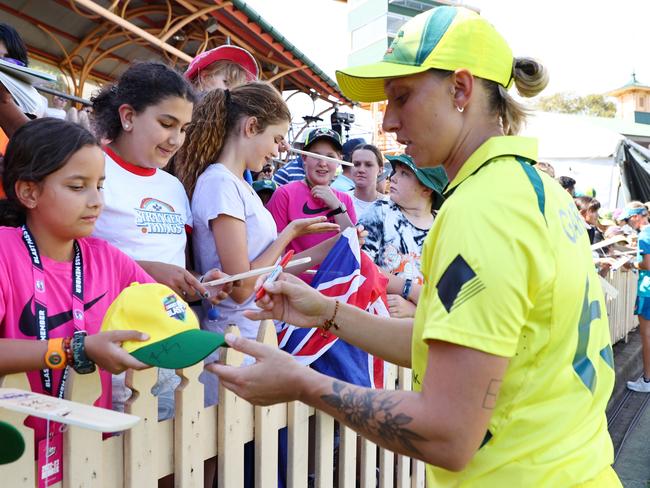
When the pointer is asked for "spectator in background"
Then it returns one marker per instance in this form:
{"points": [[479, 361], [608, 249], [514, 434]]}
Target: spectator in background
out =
{"points": [[222, 67], [265, 189], [313, 196], [368, 166], [12, 49], [294, 170], [265, 174], [57, 110], [398, 227], [383, 181], [546, 168], [568, 183], [588, 208], [636, 215], [344, 181]]}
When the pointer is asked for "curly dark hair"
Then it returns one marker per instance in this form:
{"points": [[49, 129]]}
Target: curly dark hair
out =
{"points": [[142, 85]]}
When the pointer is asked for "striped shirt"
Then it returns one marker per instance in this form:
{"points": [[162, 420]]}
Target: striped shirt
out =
{"points": [[292, 171]]}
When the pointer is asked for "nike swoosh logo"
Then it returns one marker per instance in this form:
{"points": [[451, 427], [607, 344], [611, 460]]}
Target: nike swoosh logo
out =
{"points": [[27, 321], [313, 211]]}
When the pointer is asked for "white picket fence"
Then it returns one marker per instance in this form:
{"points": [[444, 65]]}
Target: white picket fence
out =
{"points": [[620, 310], [153, 450]]}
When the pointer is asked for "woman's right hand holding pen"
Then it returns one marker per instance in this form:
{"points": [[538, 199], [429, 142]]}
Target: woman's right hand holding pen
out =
{"points": [[293, 301]]}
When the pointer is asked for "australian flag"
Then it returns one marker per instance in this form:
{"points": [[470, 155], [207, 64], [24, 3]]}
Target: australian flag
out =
{"points": [[350, 276]]}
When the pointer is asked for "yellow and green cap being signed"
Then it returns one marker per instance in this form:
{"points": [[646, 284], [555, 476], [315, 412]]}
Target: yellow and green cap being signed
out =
{"points": [[175, 339], [445, 38]]}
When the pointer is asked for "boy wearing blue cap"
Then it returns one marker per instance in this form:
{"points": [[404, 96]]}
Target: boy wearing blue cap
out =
{"points": [[636, 216]]}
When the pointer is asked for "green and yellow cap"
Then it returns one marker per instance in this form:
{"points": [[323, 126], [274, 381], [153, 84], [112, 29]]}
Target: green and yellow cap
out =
{"points": [[445, 38], [175, 339]]}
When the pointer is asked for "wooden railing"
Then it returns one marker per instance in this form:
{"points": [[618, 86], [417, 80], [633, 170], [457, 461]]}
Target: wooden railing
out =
{"points": [[153, 450]]}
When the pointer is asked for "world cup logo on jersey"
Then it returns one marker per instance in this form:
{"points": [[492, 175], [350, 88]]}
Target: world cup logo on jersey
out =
{"points": [[157, 217]]}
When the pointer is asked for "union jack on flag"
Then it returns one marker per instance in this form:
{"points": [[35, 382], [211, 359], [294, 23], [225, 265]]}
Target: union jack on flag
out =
{"points": [[350, 276]]}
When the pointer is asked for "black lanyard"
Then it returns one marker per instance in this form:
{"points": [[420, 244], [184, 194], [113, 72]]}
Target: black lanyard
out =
{"points": [[40, 302]]}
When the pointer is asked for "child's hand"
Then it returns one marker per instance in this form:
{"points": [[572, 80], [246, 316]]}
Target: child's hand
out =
{"points": [[362, 233], [399, 307], [311, 225], [178, 279], [220, 292], [327, 195], [105, 349]]}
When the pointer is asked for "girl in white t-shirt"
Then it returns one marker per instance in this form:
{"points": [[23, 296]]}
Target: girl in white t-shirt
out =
{"points": [[147, 213], [368, 165]]}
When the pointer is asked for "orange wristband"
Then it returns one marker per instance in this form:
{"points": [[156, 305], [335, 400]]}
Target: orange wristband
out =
{"points": [[55, 357]]}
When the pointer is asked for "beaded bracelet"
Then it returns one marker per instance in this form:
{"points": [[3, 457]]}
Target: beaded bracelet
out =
{"points": [[67, 348], [330, 323]]}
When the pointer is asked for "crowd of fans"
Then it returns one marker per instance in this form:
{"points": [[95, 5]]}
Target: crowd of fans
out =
{"points": [[194, 189]]}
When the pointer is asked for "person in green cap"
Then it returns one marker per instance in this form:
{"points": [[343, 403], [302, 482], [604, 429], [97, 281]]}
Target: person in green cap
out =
{"points": [[398, 227], [510, 350]]}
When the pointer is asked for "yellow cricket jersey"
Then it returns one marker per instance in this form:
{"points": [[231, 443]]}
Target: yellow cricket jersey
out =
{"points": [[508, 271]]}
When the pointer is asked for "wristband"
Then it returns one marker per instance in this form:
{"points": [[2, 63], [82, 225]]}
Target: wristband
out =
{"points": [[55, 357], [407, 288], [341, 209], [81, 363]]}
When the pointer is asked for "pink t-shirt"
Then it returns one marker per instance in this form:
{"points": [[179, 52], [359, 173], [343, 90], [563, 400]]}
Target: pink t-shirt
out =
{"points": [[295, 201], [106, 272]]}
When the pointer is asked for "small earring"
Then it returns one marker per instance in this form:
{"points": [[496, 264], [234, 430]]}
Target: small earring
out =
{"points": [[460, 109], [126, 126]]}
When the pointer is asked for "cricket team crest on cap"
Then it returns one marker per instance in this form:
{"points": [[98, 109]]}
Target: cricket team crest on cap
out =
{"points": [[174, 308], [175, 338]]}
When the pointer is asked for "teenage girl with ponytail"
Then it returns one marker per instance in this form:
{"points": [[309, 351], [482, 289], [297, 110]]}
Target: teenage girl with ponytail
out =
{"points": [[231, 131]]}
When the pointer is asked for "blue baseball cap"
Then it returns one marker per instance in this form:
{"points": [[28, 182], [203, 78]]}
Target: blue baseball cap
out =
{"points": [[629, 212]]}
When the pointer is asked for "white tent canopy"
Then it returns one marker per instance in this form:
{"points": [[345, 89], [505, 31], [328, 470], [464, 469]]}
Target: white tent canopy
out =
{"points": [[578, 148]]}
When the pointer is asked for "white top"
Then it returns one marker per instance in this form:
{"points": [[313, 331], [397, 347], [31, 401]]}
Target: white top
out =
{"points": [[145, 214], [220, 192], [360, 206]]}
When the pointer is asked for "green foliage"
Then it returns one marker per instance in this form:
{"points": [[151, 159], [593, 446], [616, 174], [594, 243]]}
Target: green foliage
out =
{"points": [[568, 103]]}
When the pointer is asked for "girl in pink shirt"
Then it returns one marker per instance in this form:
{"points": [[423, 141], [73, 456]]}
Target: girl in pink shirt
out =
{"points": [[56, 282], [314, 196]]}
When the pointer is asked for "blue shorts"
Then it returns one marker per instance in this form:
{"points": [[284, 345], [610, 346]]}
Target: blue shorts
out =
{"points": [[642, 307]]}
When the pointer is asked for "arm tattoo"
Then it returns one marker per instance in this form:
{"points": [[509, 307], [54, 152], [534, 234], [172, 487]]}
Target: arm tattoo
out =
{"points": [[490, 398], [373, 412]]}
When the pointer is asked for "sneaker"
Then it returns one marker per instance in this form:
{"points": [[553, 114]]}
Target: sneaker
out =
{"points": [[639, 385]]}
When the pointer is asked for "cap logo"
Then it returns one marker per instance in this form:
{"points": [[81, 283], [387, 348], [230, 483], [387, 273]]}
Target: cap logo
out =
{"points": [[174, 308]]}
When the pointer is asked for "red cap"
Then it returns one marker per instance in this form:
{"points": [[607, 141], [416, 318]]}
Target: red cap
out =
{"points": [[230, 53]]}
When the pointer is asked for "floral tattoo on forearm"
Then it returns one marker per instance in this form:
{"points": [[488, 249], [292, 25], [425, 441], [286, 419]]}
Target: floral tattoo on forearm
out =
{"points": [[373, 412]]}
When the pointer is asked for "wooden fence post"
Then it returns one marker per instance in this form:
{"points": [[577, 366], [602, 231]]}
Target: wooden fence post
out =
{"points": [[22, 472], [188, 448], [82, 448], [268, 421], [141, 442], [235, 425]]}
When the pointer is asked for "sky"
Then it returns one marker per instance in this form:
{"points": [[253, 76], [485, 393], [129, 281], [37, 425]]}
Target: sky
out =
{"points": [[589, 46]]}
